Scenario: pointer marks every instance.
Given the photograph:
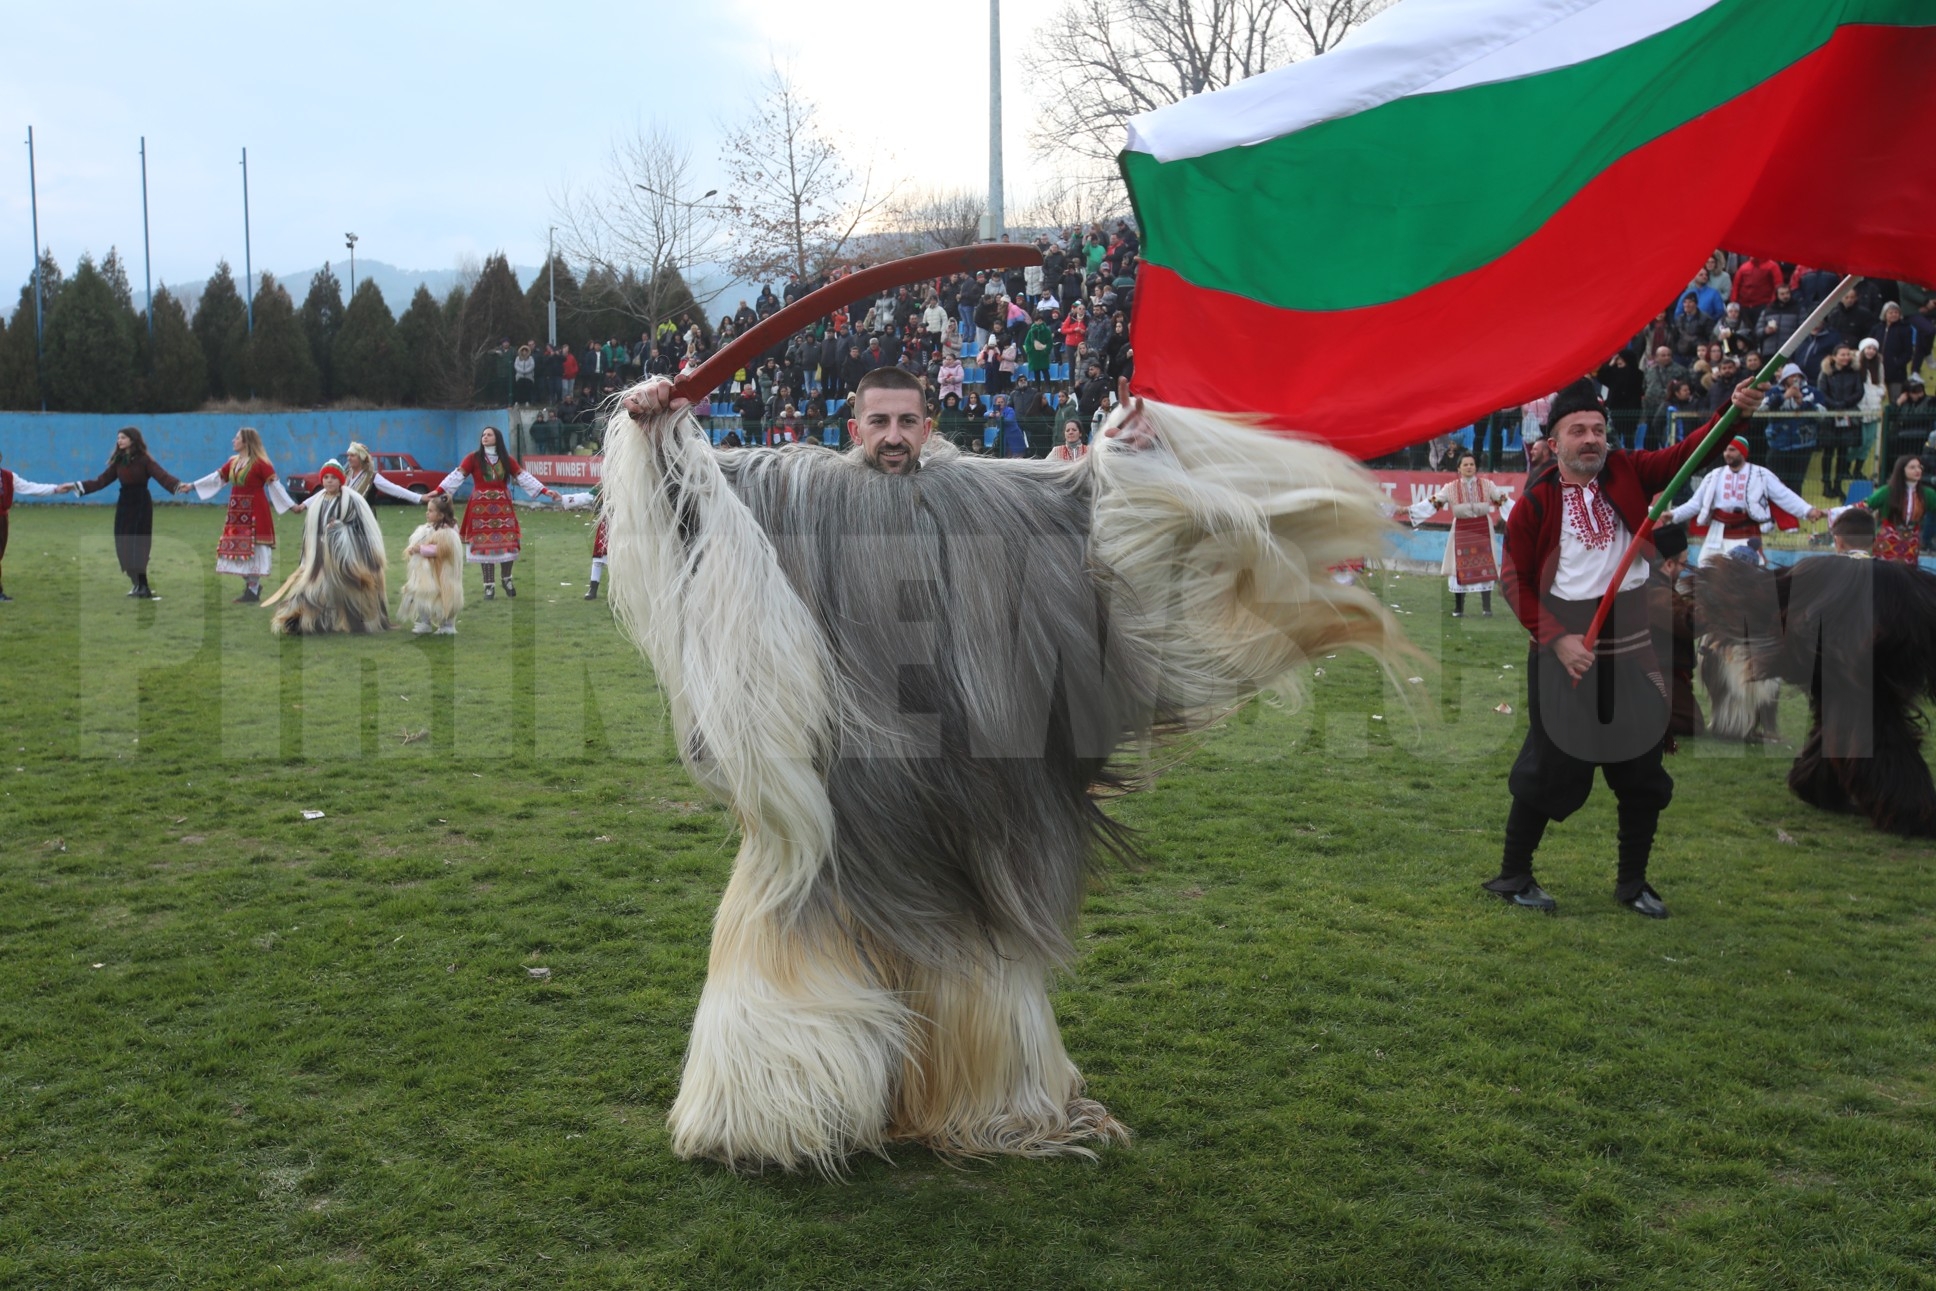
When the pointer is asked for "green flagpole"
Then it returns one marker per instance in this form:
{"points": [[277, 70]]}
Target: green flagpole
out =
{"points": [[1715, 436]]}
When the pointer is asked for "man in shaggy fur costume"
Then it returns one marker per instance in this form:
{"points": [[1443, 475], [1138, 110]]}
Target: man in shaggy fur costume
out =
{"points": [[910, 672], [1860, 634]]}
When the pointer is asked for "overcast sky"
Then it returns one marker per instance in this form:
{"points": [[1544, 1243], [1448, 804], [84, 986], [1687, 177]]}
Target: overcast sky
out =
{"points": [[436, 130]]}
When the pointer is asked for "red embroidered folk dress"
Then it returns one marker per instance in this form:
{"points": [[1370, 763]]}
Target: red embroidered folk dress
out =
{"points": [[250, 523], [490, 527]]}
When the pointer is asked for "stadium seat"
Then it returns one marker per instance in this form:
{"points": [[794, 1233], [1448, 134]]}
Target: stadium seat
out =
{"points": [[1859, 491]]}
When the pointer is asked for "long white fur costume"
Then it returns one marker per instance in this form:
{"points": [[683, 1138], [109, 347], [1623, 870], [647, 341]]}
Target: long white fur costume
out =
{"points": [[822, 1030], [433, 590]]}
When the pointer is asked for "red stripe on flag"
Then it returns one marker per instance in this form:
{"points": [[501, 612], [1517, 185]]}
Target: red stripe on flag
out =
{"points": [[1813, 188]]}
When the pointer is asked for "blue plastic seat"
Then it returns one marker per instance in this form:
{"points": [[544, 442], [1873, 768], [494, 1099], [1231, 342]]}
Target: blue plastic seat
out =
{"points": [[1859, 491]]}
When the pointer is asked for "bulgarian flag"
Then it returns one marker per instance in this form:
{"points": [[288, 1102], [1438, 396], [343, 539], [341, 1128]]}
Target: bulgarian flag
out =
{"points": [[1471, 202]]}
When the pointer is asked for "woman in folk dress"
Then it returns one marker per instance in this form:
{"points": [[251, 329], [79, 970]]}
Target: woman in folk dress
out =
{"points": [[1900, 507], [363, 476], [248, 543], [134, 510], [1469, 564], [12, 485], [490, 529]]}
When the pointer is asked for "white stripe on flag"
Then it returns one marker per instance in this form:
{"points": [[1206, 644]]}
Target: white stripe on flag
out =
{"points": [[1586, 35], [1417, 46]]}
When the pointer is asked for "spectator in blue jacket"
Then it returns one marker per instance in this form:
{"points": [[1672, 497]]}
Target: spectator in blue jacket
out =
{"points": [[1791, 440], [1709, 300]]}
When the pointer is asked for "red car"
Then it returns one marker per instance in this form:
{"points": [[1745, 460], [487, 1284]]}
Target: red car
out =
{"points": [[398, 468]]}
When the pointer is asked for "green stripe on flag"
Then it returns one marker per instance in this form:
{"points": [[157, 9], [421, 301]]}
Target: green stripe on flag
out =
{"points": [[1371, 208]]}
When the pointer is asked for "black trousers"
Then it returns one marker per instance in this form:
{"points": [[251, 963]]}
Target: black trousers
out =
{"points": [[1615, 722]]}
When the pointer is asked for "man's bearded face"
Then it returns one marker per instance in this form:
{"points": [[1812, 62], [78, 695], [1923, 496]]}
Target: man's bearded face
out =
{"points": [[1580, 439], [891, 426]]}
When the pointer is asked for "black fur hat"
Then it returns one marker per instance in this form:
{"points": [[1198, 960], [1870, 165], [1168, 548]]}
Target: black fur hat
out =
{"points": [[1670, 540], [1582, 396]]}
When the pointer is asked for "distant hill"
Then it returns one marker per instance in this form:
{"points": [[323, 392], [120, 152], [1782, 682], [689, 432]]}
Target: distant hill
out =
{"points": [[399, 285]]}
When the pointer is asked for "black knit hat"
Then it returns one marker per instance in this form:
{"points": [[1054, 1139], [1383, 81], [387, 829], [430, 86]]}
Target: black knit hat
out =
{"points": [[1582, 396], [1670, 540]]}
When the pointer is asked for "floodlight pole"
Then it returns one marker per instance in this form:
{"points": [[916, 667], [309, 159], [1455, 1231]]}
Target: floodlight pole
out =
{"points": [[997, 225], [40, 319], [147, 260], [349, 240], [248, 268], [551, 306]]}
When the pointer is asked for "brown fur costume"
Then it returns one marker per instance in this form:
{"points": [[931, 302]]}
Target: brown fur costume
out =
{"points": [[1861, 636], [340, 585]]}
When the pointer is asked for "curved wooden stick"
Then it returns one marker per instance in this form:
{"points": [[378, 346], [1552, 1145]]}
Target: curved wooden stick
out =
{"points": [[775, 327]]}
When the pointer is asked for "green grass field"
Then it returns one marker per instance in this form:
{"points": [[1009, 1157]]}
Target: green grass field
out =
{"points": [[239, 1048]]}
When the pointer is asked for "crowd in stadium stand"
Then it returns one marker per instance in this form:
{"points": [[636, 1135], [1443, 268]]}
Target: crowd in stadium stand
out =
{"points": [[1011, 357]]}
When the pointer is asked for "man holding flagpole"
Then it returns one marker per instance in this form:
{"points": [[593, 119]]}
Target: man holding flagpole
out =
{"points": [[1604, 707]]}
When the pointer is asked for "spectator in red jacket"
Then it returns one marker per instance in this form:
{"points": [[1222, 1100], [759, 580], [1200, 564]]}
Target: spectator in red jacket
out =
{"points": [[1754, 287]]}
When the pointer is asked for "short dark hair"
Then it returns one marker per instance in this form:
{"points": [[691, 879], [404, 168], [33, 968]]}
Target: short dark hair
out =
{"points": [[1856, 523], [888, 379]]}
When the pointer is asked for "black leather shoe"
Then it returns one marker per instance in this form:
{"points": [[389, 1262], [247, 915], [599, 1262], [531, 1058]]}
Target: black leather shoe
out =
{"points": [[510, 589], [591, 593], [1530, 897], [1647, 902]]}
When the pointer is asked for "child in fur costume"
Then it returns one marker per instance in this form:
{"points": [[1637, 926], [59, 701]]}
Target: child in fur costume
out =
{"points": [[433, 590], [339, 586]]}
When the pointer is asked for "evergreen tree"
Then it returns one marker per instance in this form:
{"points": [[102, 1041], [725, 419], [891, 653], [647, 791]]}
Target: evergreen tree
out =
{"points": [[176, 377], [20, 375], [366, 357], [538, 299], [495, 310], [20, 362], [115, 274], [672, 298], [600, 304], [19, 383], [89, 363], [221, 327], [276, 362], [423, 361], [322, 319]]}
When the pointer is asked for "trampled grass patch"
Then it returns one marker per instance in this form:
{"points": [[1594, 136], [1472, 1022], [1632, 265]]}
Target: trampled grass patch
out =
{"points": [[242, 1048]]}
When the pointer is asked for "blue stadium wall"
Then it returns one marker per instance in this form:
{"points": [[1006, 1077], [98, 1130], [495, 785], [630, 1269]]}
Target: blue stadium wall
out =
{"points": [[55, 447]]}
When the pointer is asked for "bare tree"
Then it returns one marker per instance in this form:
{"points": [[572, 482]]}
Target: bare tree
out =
{"points": [[795, 202], [930, 219], [1105, 61], [645, 225], [1321, 24], [1067, 203]]}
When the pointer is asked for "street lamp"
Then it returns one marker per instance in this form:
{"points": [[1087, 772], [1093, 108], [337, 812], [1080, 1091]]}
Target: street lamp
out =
{"points": [[677, 201], [349, 240]]}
